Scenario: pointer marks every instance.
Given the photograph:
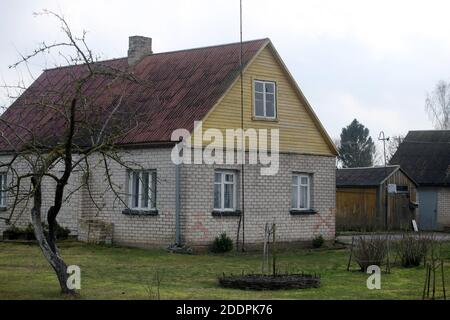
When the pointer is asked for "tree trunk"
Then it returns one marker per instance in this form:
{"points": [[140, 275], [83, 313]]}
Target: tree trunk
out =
{"points": [[50, 254]]}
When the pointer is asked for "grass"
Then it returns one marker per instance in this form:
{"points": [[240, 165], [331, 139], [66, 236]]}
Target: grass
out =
{"points": [[125, 273]]}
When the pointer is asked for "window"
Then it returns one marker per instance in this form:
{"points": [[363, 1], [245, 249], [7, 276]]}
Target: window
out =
{"points": [[402, 189], [142, 189], [265, 99], [301, 192], [224, 191], [3, 187]]}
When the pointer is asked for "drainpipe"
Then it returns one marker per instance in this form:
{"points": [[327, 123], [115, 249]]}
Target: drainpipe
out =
{"points": [[177, 205]]}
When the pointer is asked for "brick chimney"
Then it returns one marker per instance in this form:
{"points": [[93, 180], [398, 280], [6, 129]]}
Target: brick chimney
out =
{"points": [[138, 48]]}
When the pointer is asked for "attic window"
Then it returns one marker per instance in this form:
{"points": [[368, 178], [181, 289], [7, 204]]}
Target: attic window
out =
{"points": [[264, 99]]}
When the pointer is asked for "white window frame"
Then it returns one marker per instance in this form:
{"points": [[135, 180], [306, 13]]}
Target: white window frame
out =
{"points": [[299, 184], [151, 193], [3, 187], [264, 82], [222, 184]]}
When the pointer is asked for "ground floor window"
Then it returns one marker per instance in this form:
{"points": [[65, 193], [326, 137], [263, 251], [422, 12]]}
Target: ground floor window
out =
{"points": [[3, 187], [142, 189], [225, 190], [301, 193]]}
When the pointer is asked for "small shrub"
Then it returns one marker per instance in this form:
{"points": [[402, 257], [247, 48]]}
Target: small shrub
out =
{"points": [[370, 251], [27, 233], [62, 233], [412, 249], [12, 233], [222, 243], [318, 241]]}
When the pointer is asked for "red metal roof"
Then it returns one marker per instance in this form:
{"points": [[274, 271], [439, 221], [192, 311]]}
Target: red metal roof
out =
{"points": [[175, 89]]}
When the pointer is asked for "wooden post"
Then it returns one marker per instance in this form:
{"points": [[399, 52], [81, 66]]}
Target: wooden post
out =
{"points": [[434, 280], [274, 257], [388, 264], [425, 284], [443, 278], [351, 253]]}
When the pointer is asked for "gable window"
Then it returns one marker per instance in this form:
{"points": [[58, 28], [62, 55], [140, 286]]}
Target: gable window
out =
{"points": [[224, 191], [3, 187], [142, 189], [264, 99], [301, 192]]}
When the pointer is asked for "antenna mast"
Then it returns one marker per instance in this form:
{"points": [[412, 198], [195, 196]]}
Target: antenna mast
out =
{"points": [[242, 127]]}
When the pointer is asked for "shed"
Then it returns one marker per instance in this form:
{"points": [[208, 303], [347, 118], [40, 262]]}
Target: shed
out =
{"points": [[425, 155], [375, 198]]}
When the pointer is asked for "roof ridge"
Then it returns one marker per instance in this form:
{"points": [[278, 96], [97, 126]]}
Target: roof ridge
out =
{"points": [[373, 167], [430, 130], [83, 64], [165, 52], [210, 46]]}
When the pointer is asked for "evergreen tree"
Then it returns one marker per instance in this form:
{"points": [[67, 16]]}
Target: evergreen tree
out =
{"points": [[356, 147]]}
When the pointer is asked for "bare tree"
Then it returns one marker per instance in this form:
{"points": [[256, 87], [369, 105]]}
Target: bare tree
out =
{"points": [[337, 143], [437, 104], [392, 145], [87, 128]]}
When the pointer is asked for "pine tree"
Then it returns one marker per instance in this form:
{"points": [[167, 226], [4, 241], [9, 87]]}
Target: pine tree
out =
{"points": [[357, 148]]}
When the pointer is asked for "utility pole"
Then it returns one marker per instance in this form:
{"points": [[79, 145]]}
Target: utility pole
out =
{"points": [[242, 217], [242, 125], [383, 138]]}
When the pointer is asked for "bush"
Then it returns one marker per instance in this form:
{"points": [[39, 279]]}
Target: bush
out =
{"points": [[222, 243], [15, 233], [370, 251], [318, 241], [28, 232], [12, 233], [62, 233], [412, 249]]}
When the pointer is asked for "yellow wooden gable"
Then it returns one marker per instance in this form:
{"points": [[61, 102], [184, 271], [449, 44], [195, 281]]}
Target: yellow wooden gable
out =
{"points": [[300, 129]]}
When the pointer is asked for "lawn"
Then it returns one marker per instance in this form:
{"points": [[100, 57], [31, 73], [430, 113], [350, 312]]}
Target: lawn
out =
{"points": [[126, 273]]}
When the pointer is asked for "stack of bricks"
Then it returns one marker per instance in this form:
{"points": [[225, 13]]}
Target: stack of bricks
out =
{"points": [[95, 231]]}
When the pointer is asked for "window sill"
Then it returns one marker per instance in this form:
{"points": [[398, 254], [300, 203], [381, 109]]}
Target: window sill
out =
{"points": [[296, 212], [136, 212], [2, 208], [218, 213], [256, 118]]}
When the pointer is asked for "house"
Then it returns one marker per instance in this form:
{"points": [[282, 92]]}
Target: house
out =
{"points": [[193, 203], [426, 156], [362, 195]]}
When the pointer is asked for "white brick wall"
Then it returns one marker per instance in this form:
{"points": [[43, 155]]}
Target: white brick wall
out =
{"points": [[69, 213], [267, 199], [443, 208]]}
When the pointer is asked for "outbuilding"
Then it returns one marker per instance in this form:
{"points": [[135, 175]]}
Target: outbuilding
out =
{"points": [[375, 198], [426, 156]]}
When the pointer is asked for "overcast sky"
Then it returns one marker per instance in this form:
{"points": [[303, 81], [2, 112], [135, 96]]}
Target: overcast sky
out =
{"points": [[370, 60]]}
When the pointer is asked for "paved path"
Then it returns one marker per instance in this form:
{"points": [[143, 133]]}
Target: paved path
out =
{"points": [[347, 238]]}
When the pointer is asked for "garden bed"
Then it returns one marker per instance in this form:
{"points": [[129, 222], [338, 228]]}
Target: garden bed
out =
{"points": [[270, 282]]}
